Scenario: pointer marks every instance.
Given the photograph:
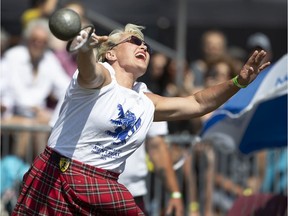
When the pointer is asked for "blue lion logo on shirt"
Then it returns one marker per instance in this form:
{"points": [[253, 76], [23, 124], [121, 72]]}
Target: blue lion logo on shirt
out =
{"points": [[127, 123]]}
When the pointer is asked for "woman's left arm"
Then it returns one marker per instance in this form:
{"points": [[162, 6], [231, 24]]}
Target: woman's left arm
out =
{"points": [[207, 100]]}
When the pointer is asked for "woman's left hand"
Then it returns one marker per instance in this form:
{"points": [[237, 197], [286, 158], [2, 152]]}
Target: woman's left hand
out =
{"points": [[252, 68]]}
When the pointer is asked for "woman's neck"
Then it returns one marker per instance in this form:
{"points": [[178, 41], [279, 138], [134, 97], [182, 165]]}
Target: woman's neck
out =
{"points": [[124, 78]]}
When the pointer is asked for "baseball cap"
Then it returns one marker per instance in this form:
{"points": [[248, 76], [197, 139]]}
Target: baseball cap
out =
{"points": [[258, 40]]}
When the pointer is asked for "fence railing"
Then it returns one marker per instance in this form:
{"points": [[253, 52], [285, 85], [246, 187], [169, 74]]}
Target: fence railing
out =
{"points": [[204, 172]]}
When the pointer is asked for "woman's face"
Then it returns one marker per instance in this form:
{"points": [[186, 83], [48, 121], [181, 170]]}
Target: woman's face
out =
{"points": [[132, 57], [220, 72]]}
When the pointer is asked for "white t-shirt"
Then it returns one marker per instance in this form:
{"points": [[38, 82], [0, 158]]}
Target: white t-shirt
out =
{"points": [[102, 127], [27, 89], [136, 170]]}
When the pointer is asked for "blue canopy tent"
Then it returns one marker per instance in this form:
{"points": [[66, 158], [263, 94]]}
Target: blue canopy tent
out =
{"points": [[256, 117]]}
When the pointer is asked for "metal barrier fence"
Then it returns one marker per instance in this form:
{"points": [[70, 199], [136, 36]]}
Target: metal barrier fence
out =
{"points": [[212, 179]]}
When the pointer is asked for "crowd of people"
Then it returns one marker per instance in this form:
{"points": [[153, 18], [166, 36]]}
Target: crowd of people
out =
{"points": [[35, 76]]}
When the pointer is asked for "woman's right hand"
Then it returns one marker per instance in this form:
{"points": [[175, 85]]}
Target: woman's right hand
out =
{"points": [[92, 42]]}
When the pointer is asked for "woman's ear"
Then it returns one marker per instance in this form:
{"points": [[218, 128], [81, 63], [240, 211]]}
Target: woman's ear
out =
{"points": [[110, 55]]}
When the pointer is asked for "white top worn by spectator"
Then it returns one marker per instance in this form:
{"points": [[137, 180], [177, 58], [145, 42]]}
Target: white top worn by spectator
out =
{"points": [[136, 169], [30, 90]]}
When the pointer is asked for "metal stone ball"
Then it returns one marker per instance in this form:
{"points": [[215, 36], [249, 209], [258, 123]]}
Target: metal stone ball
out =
{"points": [[65, 24]]}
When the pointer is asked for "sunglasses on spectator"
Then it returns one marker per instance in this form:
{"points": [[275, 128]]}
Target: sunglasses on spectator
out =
{"points": [[134, 40]]}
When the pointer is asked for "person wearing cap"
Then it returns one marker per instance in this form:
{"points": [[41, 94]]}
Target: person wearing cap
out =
{"points": [[136, 170], [260, 41]]}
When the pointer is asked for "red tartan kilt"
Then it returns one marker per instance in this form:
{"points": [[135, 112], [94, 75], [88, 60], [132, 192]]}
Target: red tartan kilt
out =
{"points": [[80, 190]]}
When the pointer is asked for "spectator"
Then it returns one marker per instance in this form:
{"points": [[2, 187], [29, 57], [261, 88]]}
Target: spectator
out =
{"points": [[180, 152], [134, 175], [258, 41], [222, 187], [33, 75], [79, 8], [238, 56], [12, 171], [172, 90], [272, 161], [154, 78], [38, 9], [7, 100], [276, 167], [219, 71], [5, 41], [170, 76], [5, 97], [214, 46]]}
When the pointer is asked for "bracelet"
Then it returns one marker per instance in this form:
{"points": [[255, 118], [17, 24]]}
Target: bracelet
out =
{"points": [[235, 81], [194, 206], [176, 195]]}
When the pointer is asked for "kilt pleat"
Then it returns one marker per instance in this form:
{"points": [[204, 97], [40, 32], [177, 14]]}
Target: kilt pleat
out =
{"points": [[80, 190]]}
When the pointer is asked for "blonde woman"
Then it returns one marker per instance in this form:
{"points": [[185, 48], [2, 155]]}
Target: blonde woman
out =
{"points": [[104, 118]]}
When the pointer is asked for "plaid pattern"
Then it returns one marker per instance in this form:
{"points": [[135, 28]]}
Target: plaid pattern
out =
{"points": [[141, 204], [80, 190]]}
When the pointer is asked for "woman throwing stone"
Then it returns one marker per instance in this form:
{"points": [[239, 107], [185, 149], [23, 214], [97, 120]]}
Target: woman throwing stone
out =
{"points": [[104, 118]]}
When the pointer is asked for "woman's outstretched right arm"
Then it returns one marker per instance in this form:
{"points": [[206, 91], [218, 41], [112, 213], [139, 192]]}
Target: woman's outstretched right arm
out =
{"points": [[91, 74]]}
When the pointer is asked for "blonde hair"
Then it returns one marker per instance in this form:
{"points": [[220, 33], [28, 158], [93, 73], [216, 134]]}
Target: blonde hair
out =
{"points": [[115, 36]]}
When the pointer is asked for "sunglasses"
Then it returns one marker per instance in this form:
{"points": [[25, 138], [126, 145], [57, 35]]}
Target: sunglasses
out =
{"points": [[134, 40]]}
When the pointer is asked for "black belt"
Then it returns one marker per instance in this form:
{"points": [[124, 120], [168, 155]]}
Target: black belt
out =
{"points": [[61, 161]]}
